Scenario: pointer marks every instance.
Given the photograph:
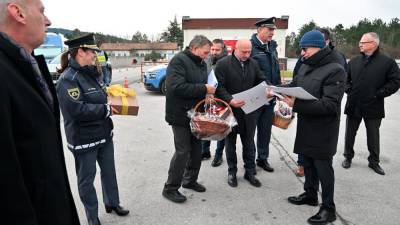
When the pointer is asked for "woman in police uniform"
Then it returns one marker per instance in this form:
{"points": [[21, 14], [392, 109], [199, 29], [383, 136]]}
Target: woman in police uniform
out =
{"points": [[88, 126]]}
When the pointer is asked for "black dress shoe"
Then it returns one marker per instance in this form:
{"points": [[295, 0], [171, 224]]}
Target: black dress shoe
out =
{"points": [[323, 216], [205, 155], [252, 179], [119, 210], [232, 181], [94, 221], [376, 168], [217, 161], [346, 163], [265, 165], [195, 187], [174, 196], [303, 199]]}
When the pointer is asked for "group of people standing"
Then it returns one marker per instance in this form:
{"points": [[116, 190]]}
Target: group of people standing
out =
{"points": [[321, 71], [34, 183]]}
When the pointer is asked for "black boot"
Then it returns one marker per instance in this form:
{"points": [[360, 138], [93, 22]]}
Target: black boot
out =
{"points": [[217, 161], [119, 210], [323, 216], [174, 195], [303, 199]]}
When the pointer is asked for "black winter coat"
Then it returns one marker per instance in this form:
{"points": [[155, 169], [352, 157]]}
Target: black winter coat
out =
{"points": [[369, 81], [186, 79], [83, 103], [318, 120], [34, 187], [231, 80]]}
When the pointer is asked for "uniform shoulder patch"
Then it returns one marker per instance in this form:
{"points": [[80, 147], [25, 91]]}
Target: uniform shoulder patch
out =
{"points": [[74, 93]]}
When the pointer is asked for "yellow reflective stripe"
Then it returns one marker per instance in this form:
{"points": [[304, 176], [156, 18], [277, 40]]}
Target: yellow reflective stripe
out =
{"points": [[101, 58]]}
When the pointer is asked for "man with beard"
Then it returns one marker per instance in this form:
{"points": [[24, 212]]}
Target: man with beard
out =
{"points": [[218, 51]]}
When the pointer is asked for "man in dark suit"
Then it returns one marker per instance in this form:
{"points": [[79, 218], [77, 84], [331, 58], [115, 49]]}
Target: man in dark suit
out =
{"points": [[371, 77], [236, 73], [34, 187]]}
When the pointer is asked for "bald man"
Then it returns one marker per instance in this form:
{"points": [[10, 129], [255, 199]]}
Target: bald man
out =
{"points": [[33, 179], [236, 73]]}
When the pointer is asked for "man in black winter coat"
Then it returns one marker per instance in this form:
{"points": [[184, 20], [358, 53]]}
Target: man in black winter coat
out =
{"points": [[236, 73], [372, 76], [186, 85], [34, 187], [318, 123]]}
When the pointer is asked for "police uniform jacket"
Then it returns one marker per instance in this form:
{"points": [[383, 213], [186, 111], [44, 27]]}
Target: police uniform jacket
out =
{"points": [[186, 79], [318, 120], [369, 81], [83, 103], [232, 79], [267, 58], [34, 187]]}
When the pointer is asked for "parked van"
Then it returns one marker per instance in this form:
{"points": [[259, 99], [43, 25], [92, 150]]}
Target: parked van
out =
{"points": [[52, 46]]}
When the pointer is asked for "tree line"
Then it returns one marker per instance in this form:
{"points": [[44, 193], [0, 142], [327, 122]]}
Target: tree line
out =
{"points": [[346, 39], [173, 33]]}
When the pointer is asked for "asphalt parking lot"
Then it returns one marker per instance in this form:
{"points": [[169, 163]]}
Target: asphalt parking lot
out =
{"points": [[144, 146]]}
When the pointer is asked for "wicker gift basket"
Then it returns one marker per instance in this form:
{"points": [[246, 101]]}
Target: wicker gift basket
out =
{"points": [[211, 119], [283, 115]]}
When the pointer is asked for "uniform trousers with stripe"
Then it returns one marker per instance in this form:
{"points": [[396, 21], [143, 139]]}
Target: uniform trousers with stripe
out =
{"points": [[85, 165]]}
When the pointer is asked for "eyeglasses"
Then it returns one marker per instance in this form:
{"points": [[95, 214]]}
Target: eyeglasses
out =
{"points": [[364, 42], [304, 49]]}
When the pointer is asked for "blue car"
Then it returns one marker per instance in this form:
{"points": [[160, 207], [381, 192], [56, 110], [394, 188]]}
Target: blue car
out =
{"points": [[154, 79]]}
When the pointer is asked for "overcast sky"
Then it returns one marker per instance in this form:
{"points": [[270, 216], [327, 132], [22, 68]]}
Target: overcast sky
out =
{"points": [[124, 17]]}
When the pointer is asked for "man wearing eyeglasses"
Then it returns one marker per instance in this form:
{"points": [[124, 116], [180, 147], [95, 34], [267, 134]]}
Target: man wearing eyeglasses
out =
{"points": [[371, 77], [318, 123]]}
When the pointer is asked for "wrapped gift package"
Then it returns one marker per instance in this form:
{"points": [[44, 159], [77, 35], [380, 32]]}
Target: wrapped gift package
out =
{"points": [[123, 100]]}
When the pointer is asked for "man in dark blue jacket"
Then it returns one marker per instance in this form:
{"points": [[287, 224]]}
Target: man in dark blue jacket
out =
{"points": [[264, 52]]}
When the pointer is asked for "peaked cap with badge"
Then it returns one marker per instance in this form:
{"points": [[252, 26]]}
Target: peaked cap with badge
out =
{"points": [[267, 22], [87, 41]]}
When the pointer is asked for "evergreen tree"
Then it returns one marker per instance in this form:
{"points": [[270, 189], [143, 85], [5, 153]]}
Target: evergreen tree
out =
{"points": [[174, 33]]}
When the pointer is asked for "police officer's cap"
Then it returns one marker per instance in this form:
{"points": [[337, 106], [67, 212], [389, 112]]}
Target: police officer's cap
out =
{"points": [[268, 22], [87, 41]]}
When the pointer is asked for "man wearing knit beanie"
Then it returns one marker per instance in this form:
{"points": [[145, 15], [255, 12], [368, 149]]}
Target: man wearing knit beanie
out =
{"points": [[318, 123], [312, 38]]}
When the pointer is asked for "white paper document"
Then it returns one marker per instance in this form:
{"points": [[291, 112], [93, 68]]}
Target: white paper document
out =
{"points": [[212, 79], [297, 92], [254, 98]]}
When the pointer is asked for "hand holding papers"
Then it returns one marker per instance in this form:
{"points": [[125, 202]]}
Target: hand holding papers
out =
{"points": [[212, 80], [253, 98], [297, 92]]}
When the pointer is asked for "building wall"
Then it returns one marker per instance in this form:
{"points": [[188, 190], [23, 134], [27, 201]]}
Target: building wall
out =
{"points": [[234, 34]]}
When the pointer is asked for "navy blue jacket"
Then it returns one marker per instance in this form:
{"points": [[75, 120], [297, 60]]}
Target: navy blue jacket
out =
{"points": [[267, 58], [83, 103]]}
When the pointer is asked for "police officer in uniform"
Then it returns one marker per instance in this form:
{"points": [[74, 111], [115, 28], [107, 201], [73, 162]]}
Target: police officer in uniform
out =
{"points": [[106, 70], [88, 126], [265, 53]]}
